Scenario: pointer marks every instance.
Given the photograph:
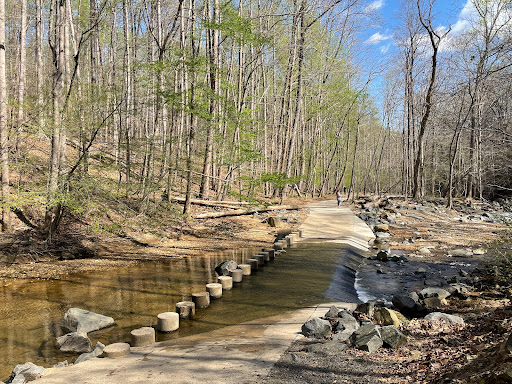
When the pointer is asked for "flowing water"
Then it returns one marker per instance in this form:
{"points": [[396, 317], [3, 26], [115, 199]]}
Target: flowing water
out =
{"points": [[30, 312]]}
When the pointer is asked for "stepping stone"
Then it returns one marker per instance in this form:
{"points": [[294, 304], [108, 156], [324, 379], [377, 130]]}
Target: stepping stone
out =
{"points": [[246, 269], [237, 275], [141, 337], [215, 290], [226, 282], [186, 309], [201, 299], [168, 321], [116, 350]]}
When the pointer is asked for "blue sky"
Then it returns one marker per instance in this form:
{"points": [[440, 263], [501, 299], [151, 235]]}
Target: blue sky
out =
{"points": [[380, 36]]}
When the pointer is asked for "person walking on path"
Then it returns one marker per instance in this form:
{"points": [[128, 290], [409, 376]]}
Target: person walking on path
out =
{"points": [[338, 197]]}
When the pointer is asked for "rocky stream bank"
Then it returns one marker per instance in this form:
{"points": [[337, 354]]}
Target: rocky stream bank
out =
{"points": [[452, 322]]}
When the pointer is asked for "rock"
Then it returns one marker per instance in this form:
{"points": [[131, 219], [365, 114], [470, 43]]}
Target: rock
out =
{"points": [[367, 338], [420, 270], [74, 342], [366, 308], [383, 254], [392, 337], [434, 292], [479, 251], [436, 316], [460, 253], [273, 221], [381, 228], [80, 320], [407, 305], [97, 351], [346, 327], [434, 302], [225, 267], [508, 344], [332, 312], [317, 328], [382, 235], [386, 316], [25, 372], [424, 250]]}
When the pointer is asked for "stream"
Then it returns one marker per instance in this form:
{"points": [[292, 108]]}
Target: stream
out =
{"points": [[31, 311]]}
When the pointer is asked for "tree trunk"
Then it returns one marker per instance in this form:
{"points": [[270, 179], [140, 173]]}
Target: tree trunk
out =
{"points": [[4, 144]]}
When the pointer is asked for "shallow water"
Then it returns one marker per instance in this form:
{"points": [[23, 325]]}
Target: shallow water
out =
{"points": [[30, 312]]}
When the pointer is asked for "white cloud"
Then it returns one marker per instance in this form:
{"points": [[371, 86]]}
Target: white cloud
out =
{"points": [[377, 38], [385, 49], [374, 6]]}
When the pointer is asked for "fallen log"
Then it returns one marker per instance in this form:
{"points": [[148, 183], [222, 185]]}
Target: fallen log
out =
{"points": [[211, 203], [240, 212]]}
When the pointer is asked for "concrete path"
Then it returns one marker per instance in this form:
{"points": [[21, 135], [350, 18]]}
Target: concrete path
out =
{"points": [[238, 354], [328, 222], [243, 353]]}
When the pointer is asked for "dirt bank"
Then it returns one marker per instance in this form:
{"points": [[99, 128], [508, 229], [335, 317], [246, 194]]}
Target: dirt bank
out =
{"points": [[87, 246]]}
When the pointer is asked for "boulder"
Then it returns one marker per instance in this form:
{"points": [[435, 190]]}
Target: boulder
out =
{"points": [[434, 303], [80, 320], [317, 328], [25, 372], [273, 221], [382, 235], [386, 316], [440, 293], [392, 337], [461, 253], [381, 228], [367, 338], [225, 267], [332, 312], [366, 308], [74, 342], [347, 325], [407, 305], [445, 317], [461, 289], [383, 254], [97, 351]]}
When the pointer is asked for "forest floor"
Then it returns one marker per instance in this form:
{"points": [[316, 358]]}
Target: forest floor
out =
{"points": [[434, 354], [90, 245]]}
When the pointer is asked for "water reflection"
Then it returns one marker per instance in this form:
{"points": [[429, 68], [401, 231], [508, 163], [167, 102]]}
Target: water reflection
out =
{"points": [[30, 312]]}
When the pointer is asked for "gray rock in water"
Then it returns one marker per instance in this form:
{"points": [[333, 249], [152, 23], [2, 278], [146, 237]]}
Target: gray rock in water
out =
{"points": [[436, 316], [74, 342], [332, 312], [367, 338], [383, 254], [392, 337], [225, 267], [97, 351], [25, 372], [80, 320], [439, 293], [461, 253], [316, 327]]}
